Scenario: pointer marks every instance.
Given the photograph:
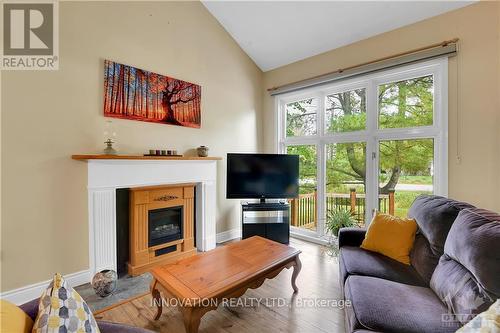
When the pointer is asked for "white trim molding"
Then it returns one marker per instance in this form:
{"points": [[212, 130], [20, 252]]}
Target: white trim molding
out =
{"points": [[27, 293], [312, 239], [371, 135], [228, 235], [106, 176]]}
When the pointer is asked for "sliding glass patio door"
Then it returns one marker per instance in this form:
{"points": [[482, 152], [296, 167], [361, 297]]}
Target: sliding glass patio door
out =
{"points": [[366, 144]]}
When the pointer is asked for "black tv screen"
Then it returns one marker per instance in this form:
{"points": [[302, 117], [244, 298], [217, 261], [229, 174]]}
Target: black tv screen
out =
{"points": [[262, 176]]}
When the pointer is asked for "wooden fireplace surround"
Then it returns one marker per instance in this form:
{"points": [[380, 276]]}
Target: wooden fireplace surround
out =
{"points": [[144, 199]]}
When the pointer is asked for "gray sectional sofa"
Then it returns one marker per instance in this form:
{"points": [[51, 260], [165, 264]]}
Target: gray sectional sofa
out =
{"points": [[454, 272]]}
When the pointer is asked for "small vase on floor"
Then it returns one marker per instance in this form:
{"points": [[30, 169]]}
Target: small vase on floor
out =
{"points": [[104, 282]]}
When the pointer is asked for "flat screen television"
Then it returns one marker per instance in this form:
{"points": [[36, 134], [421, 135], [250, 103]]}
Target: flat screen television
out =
{"points": [[262, 176]]}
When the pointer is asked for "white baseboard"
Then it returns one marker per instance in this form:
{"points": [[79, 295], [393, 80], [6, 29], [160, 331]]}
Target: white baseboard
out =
{"points": [[311, 239], [228, 235], [27, 293]]}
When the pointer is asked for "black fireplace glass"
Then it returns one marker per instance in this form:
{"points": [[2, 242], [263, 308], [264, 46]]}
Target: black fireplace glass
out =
{"points": [[165, 225]]}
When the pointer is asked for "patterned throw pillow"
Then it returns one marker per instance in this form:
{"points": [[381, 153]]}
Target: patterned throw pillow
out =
{"points": [[485, 322], [63, 310]]}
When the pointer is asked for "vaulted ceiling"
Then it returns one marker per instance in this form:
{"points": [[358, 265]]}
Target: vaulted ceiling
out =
{"points": [[276, 33]]}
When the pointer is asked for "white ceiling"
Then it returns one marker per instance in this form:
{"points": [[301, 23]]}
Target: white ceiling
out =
{"points": [[276, 33]]}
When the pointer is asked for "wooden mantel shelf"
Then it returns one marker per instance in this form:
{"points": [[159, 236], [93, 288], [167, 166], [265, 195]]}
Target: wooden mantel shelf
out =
{"points": [[139, 157]]}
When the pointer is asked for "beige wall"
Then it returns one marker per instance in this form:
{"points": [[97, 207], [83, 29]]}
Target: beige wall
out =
{"points": [[476, 177], [47, 116]]}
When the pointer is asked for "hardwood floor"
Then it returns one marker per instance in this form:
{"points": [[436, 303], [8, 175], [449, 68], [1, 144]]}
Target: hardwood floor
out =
{"points": [[317, 281]]}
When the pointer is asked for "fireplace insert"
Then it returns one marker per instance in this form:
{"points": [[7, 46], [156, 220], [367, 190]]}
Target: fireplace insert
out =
{"points": [[164, 225]]}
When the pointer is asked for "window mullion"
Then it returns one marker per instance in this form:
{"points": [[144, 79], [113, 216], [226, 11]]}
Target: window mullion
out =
{"points": [[321, 167], [371, 151]]}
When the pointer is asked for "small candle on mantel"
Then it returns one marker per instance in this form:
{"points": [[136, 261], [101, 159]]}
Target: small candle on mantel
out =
{"points": [[110, 138]]}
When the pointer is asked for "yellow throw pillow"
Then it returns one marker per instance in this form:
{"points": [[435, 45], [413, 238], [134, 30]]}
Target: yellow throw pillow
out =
{"points": [[391, 236], [13, 319]]}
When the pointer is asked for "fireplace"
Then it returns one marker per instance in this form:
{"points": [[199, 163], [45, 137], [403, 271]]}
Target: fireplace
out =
{"points": [[165, 225], [161, 225], [110, 187]]}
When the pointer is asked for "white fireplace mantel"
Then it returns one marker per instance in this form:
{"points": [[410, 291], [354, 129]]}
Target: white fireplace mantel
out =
{"points": [[107, 175]]}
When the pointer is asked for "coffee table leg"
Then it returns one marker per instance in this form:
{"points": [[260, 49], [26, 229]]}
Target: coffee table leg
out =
{"points": [[156, 299], [192, 318], [296, 270]]}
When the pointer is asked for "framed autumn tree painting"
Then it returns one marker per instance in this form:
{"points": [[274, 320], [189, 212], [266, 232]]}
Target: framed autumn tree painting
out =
{"points": [[133, 93]]}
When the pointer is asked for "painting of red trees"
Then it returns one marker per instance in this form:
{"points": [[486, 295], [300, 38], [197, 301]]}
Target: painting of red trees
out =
{"points": [[133, 93]]}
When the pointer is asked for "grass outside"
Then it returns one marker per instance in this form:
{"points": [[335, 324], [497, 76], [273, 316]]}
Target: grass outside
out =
{"points": [[403, 201], [418, 180]]}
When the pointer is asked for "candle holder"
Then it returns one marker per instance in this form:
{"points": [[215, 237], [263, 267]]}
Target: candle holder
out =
{"points": [[109, 150], [109, 136]]}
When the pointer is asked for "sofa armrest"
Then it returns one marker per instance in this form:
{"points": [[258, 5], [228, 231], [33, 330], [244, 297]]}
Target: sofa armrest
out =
{"points": [[351, 236], [109, 327], [31, 308]]}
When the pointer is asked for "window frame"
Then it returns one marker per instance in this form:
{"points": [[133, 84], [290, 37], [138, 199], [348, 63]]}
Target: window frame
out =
{"points": [[372, 135]]}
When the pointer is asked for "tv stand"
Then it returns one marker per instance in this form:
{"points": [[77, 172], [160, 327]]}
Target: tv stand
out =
{"points": [[269, 220]]}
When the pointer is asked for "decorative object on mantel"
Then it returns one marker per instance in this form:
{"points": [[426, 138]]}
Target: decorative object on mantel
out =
{"points": [[109, 135], [202, 151], [109, 150], [136, 94], [104, 282], [163, 152], [142, 157]]}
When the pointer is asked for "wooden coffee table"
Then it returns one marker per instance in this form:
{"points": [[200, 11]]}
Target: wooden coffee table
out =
{"points": [[200, 282]]}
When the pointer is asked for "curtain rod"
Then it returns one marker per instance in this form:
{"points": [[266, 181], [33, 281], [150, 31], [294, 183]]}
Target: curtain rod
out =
{"points": [[394, 56]]}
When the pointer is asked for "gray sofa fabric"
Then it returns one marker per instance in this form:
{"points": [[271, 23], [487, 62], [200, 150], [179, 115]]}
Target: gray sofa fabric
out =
{"points": [[422, 258], [357, 261], [434, 215], [455, 265], [351, 236], [467, 277], [383, 305]]}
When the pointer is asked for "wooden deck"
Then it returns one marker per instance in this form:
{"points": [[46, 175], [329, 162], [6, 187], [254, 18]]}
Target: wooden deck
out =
{"points": [[317, 280]]}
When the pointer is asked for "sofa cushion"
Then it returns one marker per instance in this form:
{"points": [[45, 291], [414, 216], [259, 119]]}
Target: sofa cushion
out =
{"points": [[31, 308], [474, 241], [108, 327], [467, 276], [357, 261], [422, 259], [388, 306], [435, 216]]}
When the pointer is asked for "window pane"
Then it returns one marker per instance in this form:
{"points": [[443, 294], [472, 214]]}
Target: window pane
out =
{"points": [[346, 111], [304, 208], [406, 171], [407, 103], [345, 185], [301, 117]]}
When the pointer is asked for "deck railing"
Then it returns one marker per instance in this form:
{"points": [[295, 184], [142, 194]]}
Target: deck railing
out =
{"points": [[304, 212]]}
